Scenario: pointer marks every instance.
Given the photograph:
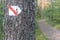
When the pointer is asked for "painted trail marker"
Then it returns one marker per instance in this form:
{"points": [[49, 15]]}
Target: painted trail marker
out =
{"points": [[14, 10]]}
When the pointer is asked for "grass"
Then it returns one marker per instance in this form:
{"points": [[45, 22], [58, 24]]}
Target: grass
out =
{"points": [[39, 34]]}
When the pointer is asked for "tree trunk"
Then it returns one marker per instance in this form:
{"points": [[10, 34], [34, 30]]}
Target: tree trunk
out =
{"points": [[21, 27]]}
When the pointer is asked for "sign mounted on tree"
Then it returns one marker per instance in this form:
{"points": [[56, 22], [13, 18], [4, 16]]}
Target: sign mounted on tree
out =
{"points": [[14, 10]]}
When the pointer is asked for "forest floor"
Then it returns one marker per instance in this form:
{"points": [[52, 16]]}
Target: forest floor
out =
{"points": [[50, 32]]}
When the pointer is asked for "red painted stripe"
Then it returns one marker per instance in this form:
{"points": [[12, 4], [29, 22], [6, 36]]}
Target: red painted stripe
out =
{"points": [[13, 10]]}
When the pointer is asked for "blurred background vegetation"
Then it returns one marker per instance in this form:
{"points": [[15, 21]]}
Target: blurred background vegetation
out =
{"points": [[51, 13], [1, 20]]}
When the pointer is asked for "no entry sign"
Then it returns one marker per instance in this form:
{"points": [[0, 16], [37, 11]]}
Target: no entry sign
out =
{"points": [[14, 10]]}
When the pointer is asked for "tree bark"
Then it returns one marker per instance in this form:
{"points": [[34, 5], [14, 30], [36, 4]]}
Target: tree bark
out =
{"points": [[21, 27]]}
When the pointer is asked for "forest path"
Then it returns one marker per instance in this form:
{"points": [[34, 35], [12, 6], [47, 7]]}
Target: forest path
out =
{"points": [[48, 30]]}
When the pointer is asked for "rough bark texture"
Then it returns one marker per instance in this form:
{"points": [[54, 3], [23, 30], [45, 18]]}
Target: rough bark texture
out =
{"points": [[21, 27]]}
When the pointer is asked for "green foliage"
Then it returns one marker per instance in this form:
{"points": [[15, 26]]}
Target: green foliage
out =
{"points": [[52, 13], [1, 9], [1, 29], [1, 22], [58, 26], [38, 14]]}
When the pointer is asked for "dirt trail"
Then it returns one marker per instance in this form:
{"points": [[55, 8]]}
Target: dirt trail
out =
{"points": [[49, 31]]}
